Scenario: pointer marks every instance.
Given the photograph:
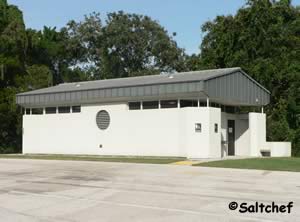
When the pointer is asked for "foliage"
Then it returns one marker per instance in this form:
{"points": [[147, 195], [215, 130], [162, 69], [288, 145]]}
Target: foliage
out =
{"points": [[270, 163], [122, 159], [136, 45], [47, 47], [82, 43], [12, 63], [37, 76], [10, 133], [128, 45]]}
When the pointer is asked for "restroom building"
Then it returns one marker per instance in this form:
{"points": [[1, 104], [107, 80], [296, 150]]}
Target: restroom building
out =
{"points": [[198, 114]]}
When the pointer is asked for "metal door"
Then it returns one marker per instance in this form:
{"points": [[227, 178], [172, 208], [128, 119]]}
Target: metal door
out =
{"points": [[231, 137]]}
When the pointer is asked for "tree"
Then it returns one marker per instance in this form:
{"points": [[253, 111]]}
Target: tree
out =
{"points": [[193, 62], [38, 76], [10, 134], [12, 65], [12, 43], [128, 45], [263, 38], [48, 47], [136, 45], [82, 46]]}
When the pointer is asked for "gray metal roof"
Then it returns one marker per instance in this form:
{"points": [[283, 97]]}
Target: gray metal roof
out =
{"points": [[216, 84]]}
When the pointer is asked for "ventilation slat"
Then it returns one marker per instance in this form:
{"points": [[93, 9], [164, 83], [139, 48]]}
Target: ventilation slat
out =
{"points": [[103, 119]]}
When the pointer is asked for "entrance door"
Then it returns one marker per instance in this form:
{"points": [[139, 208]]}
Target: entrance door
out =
{"points": [[231, 137]]}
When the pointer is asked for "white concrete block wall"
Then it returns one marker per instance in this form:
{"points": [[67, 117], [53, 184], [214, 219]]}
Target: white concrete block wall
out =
{"points": [[258, 143], [242, 137], [207, 143], [214, 137], [257, 133], [129, 133], [280, 149], [155, 132], [195, 148]]}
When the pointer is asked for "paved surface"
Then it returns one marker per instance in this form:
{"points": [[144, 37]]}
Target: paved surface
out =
{"points": [[40, 190], [196, 161]]}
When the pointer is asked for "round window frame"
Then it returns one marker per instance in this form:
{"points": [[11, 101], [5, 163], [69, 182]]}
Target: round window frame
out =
{"points": [[98, 120]]}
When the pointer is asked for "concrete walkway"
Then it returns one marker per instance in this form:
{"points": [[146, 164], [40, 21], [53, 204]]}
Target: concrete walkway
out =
{"points": [[196, 161], [41, 190]]}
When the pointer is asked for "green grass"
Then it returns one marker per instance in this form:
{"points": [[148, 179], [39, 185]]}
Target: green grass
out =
{"points": [[275, 163], [123, 159]]}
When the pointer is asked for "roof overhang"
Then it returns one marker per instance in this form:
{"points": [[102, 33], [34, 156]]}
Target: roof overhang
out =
{"points": [[230, 87]]}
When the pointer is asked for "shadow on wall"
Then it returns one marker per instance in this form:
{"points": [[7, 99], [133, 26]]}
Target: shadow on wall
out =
{"points": [[223, 146], [242, 140]]}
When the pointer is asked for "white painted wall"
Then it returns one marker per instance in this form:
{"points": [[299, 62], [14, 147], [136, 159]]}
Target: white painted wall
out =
{"points": [[258, 143], [224, 148], [257, 133], [156, 132], [280, 149], [214, 138], [242, 137], [207, 143]]}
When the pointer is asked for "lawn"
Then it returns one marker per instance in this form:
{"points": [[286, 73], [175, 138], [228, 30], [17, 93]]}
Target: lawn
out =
{"points": [[124, 159], [275, 163]]}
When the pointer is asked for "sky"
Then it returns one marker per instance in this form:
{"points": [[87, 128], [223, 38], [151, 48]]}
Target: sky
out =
{"points": [[184, 17]]}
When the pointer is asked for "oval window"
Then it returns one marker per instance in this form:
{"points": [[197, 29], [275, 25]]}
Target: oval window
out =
{"points": [[103, 119]]}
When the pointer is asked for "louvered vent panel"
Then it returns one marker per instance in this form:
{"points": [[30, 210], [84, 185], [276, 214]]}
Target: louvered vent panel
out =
{"points": [[103, 119]]}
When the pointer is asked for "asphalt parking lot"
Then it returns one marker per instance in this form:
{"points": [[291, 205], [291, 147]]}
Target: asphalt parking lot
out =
{"points": [[47, 190]]}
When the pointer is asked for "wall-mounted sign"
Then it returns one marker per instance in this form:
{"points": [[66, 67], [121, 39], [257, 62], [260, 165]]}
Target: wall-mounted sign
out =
{"points": [[198, 127]]}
